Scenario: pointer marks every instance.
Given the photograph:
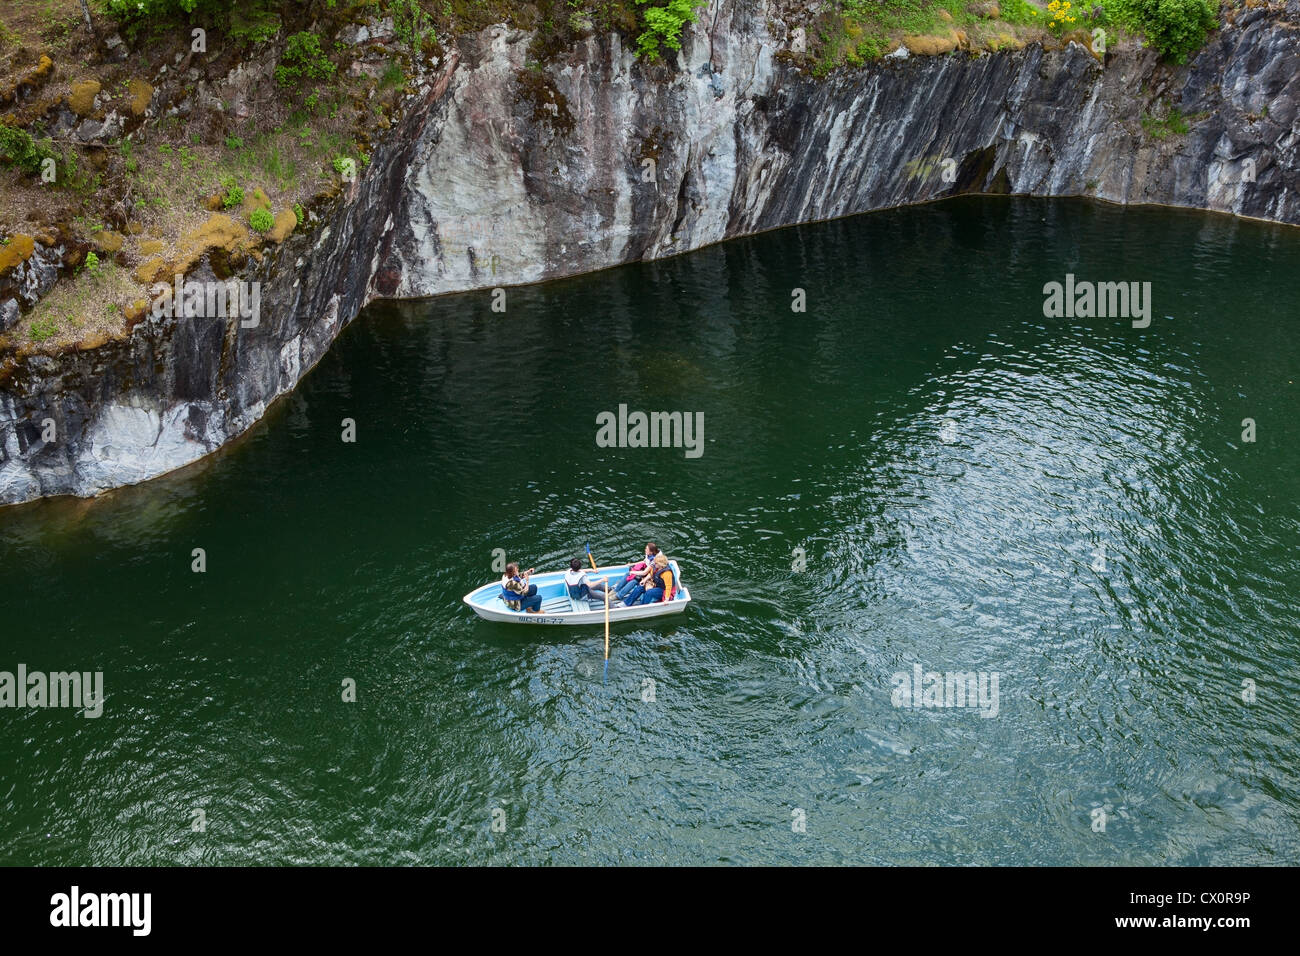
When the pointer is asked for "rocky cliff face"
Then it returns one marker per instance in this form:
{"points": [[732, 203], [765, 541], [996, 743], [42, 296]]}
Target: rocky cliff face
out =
{"points": [[503, 172]]}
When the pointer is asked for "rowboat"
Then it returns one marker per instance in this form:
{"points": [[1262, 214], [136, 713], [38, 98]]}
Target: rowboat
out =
{"points": [[559, 608]]}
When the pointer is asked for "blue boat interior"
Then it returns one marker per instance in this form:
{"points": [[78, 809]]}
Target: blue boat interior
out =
{"points": [[555, 593]]}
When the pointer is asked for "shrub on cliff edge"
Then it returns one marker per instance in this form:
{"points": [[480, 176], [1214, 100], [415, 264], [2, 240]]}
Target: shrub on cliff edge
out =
{"points": [[19, 149], [145, 9], [664, 25], [1174, 28], [261, 220], [303, 60]]}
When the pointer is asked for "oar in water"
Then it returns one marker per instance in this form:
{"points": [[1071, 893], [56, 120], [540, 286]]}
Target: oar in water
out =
{"points": [[592, 558]]}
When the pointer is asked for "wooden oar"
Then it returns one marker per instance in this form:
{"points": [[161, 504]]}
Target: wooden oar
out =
{"points": [[592, 558]]}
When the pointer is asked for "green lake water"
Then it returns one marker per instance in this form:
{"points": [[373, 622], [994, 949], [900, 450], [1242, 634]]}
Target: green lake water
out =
{"points": [[949, 462]]}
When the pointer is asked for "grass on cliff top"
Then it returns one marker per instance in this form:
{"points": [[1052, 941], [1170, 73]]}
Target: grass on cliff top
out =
{"points": [[87, 308], [147, 190], [852, 32]]}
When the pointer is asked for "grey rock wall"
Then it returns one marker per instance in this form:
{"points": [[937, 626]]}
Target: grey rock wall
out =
{"points": [[502, 173]]}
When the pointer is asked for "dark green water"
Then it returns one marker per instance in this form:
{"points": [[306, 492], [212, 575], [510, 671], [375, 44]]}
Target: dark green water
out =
{"points": [[948, 459]]}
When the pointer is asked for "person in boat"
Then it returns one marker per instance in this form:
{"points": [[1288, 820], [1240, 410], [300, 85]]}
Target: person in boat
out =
{"points": [[638, 571], [583, 585], [528, 599], [661, 586]]}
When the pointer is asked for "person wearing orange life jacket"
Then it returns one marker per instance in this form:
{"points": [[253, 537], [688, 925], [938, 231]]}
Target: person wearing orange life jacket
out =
{"points": [[661, 586], [638, 573]]}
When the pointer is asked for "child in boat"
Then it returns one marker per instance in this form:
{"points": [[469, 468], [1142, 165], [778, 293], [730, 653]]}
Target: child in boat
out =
{"points": [[581, 584], [529, 600], [637, 572], [661, 586]]}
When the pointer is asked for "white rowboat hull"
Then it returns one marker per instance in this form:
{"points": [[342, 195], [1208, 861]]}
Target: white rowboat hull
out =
{"points": [[559, 608]]}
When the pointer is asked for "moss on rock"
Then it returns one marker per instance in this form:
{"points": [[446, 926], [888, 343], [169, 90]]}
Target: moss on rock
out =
{"points": [[285, 223], [141, 93], [17, 251], [82, 97]]}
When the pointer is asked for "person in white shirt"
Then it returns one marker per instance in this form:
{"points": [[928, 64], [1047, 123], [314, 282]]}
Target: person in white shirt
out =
{"points": [[583, 585]]}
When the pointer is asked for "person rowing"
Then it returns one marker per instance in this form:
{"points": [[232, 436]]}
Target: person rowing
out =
{"points": [[582, 585]]}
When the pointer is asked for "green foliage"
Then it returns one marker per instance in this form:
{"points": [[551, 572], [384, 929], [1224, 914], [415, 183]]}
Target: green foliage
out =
{"points": [[277, 166], [303, 60], [345, 166], [1172, 123], [664, 26], [43, 329], [19, 149], [234, 197], [234, 142], [909, 16], [1061, 17], [392, 76], [1020, 11], [92, 263], [251, 25], [127, 150], [72, 175], [133, 10], [411, 24], [873, 47], [299, 211], [1174, 28], [261, 220]]}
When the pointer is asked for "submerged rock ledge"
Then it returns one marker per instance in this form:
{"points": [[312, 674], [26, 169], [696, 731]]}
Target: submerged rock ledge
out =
{"points": [[501, 174]]}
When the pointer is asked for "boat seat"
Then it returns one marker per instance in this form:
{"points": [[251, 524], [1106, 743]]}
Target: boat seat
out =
{"points": [[594, 602]]}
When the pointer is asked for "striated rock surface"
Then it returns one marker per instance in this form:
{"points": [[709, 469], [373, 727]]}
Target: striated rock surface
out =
{"points": [[502, 173]]}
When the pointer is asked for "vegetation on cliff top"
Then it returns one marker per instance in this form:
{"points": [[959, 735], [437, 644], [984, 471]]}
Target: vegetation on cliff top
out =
{"points": [[178, 129], [850, 32], [1174, 28]]}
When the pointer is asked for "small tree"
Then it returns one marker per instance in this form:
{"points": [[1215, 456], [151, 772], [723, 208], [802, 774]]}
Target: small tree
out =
{"points": [[1174, 28], [664, 25], [303, 60]]}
